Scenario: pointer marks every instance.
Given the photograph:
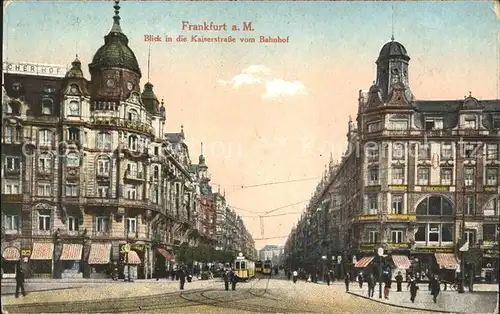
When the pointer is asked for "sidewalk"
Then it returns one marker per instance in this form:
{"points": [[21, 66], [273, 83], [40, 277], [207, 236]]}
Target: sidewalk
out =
{"points": [[483, 300]]}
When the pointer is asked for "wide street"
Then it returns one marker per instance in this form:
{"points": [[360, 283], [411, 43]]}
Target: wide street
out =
{"points": [[258, 296]]}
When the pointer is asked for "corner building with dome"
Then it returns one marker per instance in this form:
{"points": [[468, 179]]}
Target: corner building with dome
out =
{"points": [[419, 179], [88, 167]]}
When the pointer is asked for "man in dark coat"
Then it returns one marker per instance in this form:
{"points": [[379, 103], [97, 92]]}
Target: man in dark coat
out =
{"points": [[371, 285], [435, 288], [360, 280], [327, 278], [399, 281], [234, 279], [20, 281], [347, 280], [157, 273], [413, 288], [182, 277], [226, 276]]}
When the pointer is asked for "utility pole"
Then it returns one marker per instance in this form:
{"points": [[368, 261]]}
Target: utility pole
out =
{"points": [[462, 253]]}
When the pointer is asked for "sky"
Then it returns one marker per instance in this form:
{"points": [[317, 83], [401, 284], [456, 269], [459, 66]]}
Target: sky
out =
{"points": [[269, 112]]}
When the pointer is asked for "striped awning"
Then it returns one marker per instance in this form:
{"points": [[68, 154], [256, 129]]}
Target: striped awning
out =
{"points": [[11, 254], [446, 260], [364, 262], [132, 258], [165, 254], [99, 254], [401, 261], [72, 252], [42, 251]]}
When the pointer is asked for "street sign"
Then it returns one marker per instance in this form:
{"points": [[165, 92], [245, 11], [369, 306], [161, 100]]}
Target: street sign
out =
{"points": [[126, 248]]}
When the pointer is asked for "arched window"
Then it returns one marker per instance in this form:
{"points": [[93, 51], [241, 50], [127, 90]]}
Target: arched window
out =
{"points": [[45, 137], [72, 160], [45, 162], [133, 142], [104, 140], [492, 208], [47, 106], [156, 172], [435, 206], [103, 166], [132, 115]]}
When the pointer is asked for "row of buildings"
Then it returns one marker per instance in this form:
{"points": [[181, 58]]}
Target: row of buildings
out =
{"points": [[90, 177], [419, 179], [273, 253]]}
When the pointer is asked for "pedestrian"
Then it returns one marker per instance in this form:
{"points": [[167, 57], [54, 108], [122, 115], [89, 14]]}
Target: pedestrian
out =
{"points": [[435, 288], [20, 281], [182, 278], [157, 273], [295, 275], [327, 278], [399, 281], [234, 279], [347, 280], [360, 280], [308, 278], [226, 277], [289, 274], [371, 285], [413, 288], [387, 286]]}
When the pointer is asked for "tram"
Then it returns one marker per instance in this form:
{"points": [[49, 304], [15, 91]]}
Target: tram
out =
{"points": [[267, 267], [245, 269], [258, 267]]}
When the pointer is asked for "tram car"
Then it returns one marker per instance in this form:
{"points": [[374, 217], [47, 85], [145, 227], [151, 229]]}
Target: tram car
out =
{"points": [[245, 269], [267, 268], [258, 267]]}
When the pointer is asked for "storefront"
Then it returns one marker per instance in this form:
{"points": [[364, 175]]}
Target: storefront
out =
{"points": [[131, 264], [163, 262], [400, 263], [99, 260], [41, 261], [10, 261], [71, 261], [364, 265]]}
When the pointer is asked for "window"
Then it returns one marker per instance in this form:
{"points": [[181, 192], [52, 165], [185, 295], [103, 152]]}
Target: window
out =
{"points": [[43, 221], [372, 204], [398, 123], [446, 176], [44, 137], [469, 176], [433, 123], [11, 222], [397, 204], [132, 115], [71, 189], [104, 140], [7, 134], [12, 163], [373, 236], [131, 224], [469, 150], [45, 163], [103, 165], [447, 231], [132, 169], [132, 193], [156, 172], [72, 160], [424, 152], [423, 175], [44, 189], [373, 126], [492, 207], [156, 151], [372, 152], [73, 134], [396, 236], [373, 176], [470, 236], [156, 195], [74, 108], [47, 106], [434, 232], [103, 191], [420, 235], [490, 233], [496, 122], [491, 176], [133, 142], [398, 175], [470, 123], [72, 223], [446, 151], [492, 151], [11, 187], [398, 151], [470, 205], [101, 223], [435, 206]]}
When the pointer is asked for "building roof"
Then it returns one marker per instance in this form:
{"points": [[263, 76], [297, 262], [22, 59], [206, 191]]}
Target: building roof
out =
{"points": [[393, 49]]}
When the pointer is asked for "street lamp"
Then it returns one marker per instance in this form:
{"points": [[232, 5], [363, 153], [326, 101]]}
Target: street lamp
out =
{"points": [[380, 253]]}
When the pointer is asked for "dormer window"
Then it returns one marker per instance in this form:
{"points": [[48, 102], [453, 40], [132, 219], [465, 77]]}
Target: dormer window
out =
{"points": [[47, 104], [132, 115], [433, 123], [470, 123]]}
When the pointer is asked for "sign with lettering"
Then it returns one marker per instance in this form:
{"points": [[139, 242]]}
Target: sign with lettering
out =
{"points": [[137, 247], [490, 189], [409, 217], [435, 188], [26, 252], [37, 69], [373, 188], [368, 217], [398, 187]]}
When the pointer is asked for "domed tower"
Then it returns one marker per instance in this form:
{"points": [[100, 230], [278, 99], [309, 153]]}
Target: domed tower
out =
{"points": [[392, 67], [75, 89], [114, 69]]}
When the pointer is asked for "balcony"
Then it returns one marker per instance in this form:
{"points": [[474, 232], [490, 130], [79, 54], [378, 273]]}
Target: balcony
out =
{"points": [[10, 172], [44, 173], [12, 198], [134, 175], [102, 201], [122, 123], [14, 140], [42, 119], [368, 218]]}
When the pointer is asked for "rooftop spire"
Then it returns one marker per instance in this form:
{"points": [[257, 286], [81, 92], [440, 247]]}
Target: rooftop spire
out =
{"points": [[392, 36], [116, 19], [202, 148], [149, 58]]}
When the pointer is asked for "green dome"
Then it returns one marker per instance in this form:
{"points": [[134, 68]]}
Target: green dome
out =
{"points": [[115, 52]]}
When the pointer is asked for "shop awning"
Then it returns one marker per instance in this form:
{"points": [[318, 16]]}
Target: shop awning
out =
{"points": [[446, 260], [11, 254], [42, 251], [401, 261], [364, 262], [99, 254], [165, 254], [72, 252], [132, 258]]}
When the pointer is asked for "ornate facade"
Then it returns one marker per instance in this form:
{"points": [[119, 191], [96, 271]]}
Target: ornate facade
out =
{"points": [[418, 178]]}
